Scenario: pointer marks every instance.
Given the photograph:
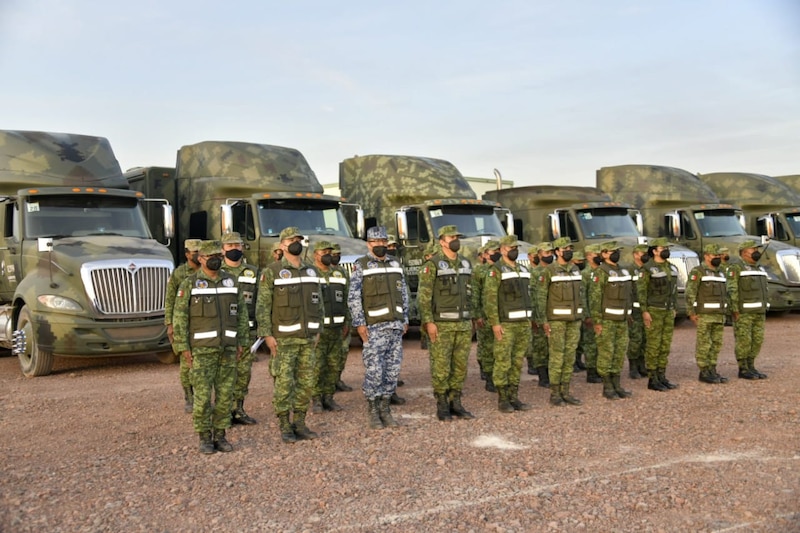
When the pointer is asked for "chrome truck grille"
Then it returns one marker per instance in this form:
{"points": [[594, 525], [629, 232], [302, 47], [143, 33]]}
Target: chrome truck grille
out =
{"points": [[789, 260], [127, 289], [684, 264]]}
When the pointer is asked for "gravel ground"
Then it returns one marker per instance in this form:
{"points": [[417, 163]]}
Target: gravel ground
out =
{"points": [[104, 445]]}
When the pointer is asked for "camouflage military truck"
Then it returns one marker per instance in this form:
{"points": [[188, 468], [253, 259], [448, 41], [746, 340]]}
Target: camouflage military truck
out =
{"points": [[584, 214], [82, 276], [771, 208], [414, 197], [255, 189], [676, 204]]}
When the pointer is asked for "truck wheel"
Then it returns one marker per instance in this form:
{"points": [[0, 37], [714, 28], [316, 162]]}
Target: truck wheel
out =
{"points": [[168, 358], [33, 361]]}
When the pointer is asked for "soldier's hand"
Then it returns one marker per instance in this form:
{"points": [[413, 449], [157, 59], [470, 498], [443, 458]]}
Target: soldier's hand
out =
{"points": [[534, 327], [693, 318], [362, 332], [498, 332], [345, 332], [433, 331], [735, 317], [187, 355], [479, 322], [647, 319], [598, 329], [272, 344], [546, 328], [239, 352], [170, 335]]}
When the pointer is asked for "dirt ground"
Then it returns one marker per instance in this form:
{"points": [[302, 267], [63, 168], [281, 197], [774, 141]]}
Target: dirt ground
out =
{"points": [[104, 445]]}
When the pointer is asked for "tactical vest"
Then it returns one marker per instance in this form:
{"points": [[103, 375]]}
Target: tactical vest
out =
{"points": [[662, 286], [711, 293], [514, 299], [752, 290], [564, 294], [451, 289], [636, 274], [295, 301], [334, 297], [247, 280], [616, 302], [382, 290], [213, 312]]}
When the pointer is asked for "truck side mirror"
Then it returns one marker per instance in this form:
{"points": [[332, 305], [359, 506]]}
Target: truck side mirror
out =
{"points": [[637, 219], [555, 225], [226, 218], [742, 220], [768, 223], [361, 230], [673, 224], [510, 223], [402, 225], [169, 221]]}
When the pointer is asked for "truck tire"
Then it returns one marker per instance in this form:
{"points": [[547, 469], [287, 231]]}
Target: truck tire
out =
{"points": [[33, 361], [167, 358]]}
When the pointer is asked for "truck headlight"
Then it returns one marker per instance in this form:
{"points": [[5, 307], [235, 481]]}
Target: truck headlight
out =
{"points": [[59, 302]]}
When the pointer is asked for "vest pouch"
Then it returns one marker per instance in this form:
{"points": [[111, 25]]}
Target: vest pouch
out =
{"points": [[196, 306], [375, 286]]}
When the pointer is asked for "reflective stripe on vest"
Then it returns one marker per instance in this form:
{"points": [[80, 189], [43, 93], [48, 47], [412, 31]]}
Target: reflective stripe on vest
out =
{"points": [[214, 290]]}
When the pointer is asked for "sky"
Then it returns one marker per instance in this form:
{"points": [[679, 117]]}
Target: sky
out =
{"points": [[545, 91]]}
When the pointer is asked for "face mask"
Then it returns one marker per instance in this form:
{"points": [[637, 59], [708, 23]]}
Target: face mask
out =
{"points": [[580, 266], [614, 257], [567, 255], [717, 261], [495, 257], [379, 251], [335, 258], [664, 254], [513, 254], [194, 259], [295, 248], [726, 258], [547, 259], [597, 260], [644, 258], [234, 255], [214, 263], [536, 260], [756, 255], [454, 245], [326, 259]]}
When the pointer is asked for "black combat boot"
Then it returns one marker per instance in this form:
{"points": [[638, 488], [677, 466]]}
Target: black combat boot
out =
{"points": [[641, 366], [394, 399], [592, 376], [654, 383], [622, 393], [221, 444], [206, 443], [316, 405], [503, 405], [287, 432], [373, 415], [329, 404], [341, 386], [662, 377], [608, 389], [301, 431], [442, 407], [188, 398], [385, 412], [456, 409], [567, 397], [751, 364], [706, 376], [239, 416], [555, 394], [745, 372], [722, 379], [513, 399], [633, 369], [531, 368], [544, 376], [579, 365], [489, 386]]}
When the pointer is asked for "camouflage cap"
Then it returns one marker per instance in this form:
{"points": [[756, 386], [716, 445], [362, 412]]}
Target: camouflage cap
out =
{"points": [[578, 255], [448, 230], [231, 237], [641, 248], [712, 249], [210, 248], [724, 250], [323, 245], [192, 245], [545, 247], [492, 244], [611, 245], [337, 247], [290, 233], [391, 239], [533, 249], [659, 241], [592, 249], [562, 242], [749, 243], [509, 240], [377, 232]]}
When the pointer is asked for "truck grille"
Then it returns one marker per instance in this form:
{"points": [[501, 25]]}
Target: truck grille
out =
{"points": [[684, 264], [134, 288], [790, 264]]}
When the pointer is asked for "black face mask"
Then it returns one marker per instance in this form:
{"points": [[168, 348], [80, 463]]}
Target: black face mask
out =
{"points": [[664, 254], [726, 258], [597, 260], [567, 255], [326, 259], [756, 255], [234, 255], [580, 265], [296, 248], [513, 254], [194, 259], [715, 262], [547, 259], [495, 257], [454, 245], [379, 251], [335, 258], [644, 258], [536, 260], [214, 263], [614, 257]]}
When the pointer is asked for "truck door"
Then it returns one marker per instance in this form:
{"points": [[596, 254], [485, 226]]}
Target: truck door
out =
{"points": [[10, 252]]}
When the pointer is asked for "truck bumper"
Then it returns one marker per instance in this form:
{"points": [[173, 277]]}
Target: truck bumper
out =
{"points": [[783, 298]]}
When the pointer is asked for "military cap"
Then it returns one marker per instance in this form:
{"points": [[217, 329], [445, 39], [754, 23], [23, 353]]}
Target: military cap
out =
{"points": [[659, 241], [641, 248], [377, 232], [509, 240], [448, 230], [231, 237], [533, 249], [210, 248], [562, 242], [337, 247], [750, 243], [391, 239], [712, 249], [290, 233], [192, 245], [592, 249], [323, 245], [577, 254], [611, 245], [545, 247], [724, 250], [492, 244]]}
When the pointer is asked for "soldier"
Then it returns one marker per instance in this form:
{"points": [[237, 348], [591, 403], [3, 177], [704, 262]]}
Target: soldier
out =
{"points": [[341, 386], [507, 305], [485, 350], [277, 252], [392, 245], [636, 336], [290, 312], [378, 301], [533, 258], [657, 291], [588, 342], [210, 323], [610, 296], [540, 343], [705, 303], [444, 304], [190, 248], [579, 260], [747, 290], [336, 327], [561, 305], [246, 277]]}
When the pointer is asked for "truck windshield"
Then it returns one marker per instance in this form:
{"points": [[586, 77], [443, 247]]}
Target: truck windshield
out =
{"points": [[794, 221], [471, 220], [83, 215], [313, 217], [606, 223], [718, 223]]}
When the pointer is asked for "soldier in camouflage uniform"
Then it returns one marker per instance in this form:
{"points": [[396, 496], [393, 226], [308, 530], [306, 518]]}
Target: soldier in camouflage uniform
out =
{"points": [[507, 305], [636, 336], [277, 252], [588, 342], [341, 386], [378, 301], [747, 290], [246, 277], [190, 248], [579, 260], [533, 258], [336, 327], [540, 347], [706, 299], [610, 295], [485, 350], [289, 313], [444, 297], [210, 326], [561, 305]]}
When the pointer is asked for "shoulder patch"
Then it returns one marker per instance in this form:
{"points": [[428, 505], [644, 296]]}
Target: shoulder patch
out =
{"points": [[595, 278], [492, 273], [227, 282], [248, 273], [201, 284], [693, 277], [180, 293], [284, 273]]}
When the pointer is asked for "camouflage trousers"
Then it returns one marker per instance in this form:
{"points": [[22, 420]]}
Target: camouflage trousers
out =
{"points": [[563, 341], [588, 345], [612, 346], [185, 373], [748, 332], [294, 370], [449, 356], [244, 371], [509, 353], [485, 352], [213, 374], [636, 336], [329, 355], [709, 339], [382, 355], [659, 338], [540, 348]]}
